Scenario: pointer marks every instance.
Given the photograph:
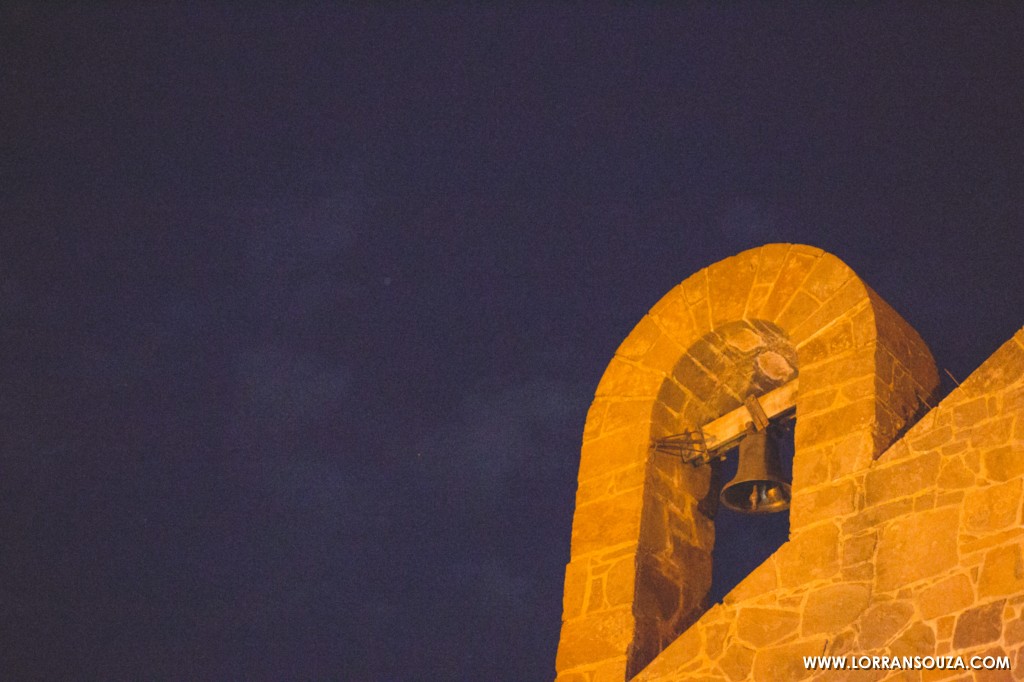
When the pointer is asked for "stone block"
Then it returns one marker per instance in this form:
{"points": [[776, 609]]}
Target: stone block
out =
{"points": [[950, 595], [695, 378], [874, 516], [980, 625], [828, 277], [606, 522], [840, 305], [760, 627], [843, 642], [992, 508], [960, 448], [629, 379], [707, 353], [595, 595], [852, 454], [620, 583], [701, 312], [774, 368], [944, 627], [916, 546], [1014, 632], [675, 318], [907, 477], [613, 451], [952, 497], [574, 594], [836, 370], [714, 636], [659, 594], [859, 548], [629, 414], [640, 340], [799, 308], [856, 389], [606, 558], [595, 415], [993, 433], [610, 671], [771, 257], [838, 423], [828, 342], [1003, 463], [954, 474], [970, 544], [1002, 572], [1013, 400], [664, 422], [729, 284], [812, 554], [596, 486], [886, 367], [759, 295], [785, 662], [863, 320], [830, 609], [737, 662], [1002, 369], [917, 640], [672, 299], [929, 439], [742, 341], [673, 396], [967, 414], [824, 502], [819, 401], [695, 287], [882, 622], [792, 274], [598, 637], [812, 466]]}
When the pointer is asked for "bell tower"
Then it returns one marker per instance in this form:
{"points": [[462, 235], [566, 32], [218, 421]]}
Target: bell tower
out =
{"points": [[779, 332]]}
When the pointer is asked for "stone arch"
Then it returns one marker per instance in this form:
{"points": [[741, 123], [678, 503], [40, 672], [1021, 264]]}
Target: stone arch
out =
{"points": [[640, 556]]}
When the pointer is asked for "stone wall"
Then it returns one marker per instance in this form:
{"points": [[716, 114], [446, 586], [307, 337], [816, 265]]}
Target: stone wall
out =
{"points": [[920, 554], [642, 533]]}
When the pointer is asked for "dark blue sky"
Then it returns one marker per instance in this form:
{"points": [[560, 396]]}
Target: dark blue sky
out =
{"points": [[301, 310]]}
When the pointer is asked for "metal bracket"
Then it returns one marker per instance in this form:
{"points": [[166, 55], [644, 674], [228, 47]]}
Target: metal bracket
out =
{"points": [[689, 446]]}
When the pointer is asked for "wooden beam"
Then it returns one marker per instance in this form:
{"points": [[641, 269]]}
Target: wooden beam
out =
{"points": [[724, 431]]}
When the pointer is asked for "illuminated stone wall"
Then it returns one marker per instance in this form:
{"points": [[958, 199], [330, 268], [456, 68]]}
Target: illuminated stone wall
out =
{"points": [[898, 544], [919, 555]]}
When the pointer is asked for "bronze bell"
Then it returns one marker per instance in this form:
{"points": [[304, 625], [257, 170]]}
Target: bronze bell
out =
{"points": [[758, 487]]}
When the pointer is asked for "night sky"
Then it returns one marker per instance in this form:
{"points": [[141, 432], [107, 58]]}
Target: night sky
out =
{"points": [[301, 310]]}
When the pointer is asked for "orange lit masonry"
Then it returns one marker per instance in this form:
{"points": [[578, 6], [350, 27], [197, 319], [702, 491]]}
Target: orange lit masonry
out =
{"points": [[905, 522]]}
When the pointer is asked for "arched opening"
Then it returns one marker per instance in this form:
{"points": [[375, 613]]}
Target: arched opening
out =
{"points": [[691, 548], [643, 539]]}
